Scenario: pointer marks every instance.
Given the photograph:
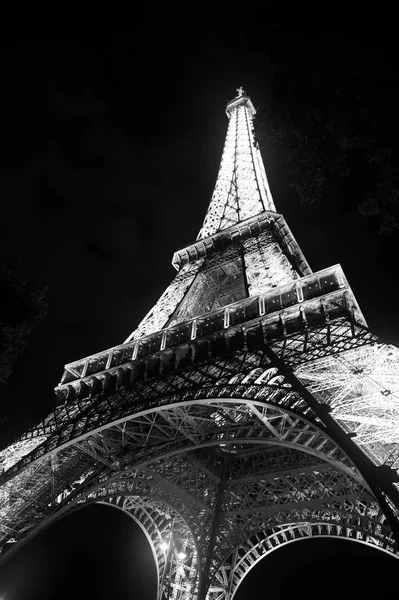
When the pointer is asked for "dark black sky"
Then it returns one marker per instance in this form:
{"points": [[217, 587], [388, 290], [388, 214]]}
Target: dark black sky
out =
{"points": [[109, 154]]}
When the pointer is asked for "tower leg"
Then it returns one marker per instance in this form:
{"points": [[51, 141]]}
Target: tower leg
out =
{"points": [[231, 575], [204, 577]]}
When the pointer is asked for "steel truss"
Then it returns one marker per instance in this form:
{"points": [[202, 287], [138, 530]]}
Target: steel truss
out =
{"points": [[250, 408], [241, 190], [238, 411]]}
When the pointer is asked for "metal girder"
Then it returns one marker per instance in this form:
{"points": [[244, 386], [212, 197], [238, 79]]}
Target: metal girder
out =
{"points": [[362, 388], [259, 407], [168, 437]]}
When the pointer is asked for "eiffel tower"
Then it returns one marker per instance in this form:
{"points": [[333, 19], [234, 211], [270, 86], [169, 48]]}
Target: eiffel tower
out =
{"points": [[251, 407]]}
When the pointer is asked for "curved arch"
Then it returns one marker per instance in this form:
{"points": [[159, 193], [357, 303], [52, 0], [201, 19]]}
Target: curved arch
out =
{"points": [[143, 529], [142, 510], [169, 527], [229, 422], [111, 453], [55, 518], [80, 425], [247, 555], [345, 514], [210, 444], [30, 459]]}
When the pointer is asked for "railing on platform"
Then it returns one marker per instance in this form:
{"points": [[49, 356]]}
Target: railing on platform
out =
{"points": [[312, 286]]}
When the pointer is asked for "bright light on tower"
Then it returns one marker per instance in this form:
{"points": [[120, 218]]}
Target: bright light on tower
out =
{"points": [[164, 546], [182, 555]]}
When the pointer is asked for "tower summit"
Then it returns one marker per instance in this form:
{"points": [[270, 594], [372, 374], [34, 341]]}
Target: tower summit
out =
{"points": [[250, 408], [241, 190]]}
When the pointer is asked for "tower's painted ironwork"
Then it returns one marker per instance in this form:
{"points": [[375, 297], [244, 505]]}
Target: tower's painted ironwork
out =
{"points": [[250, 408]]}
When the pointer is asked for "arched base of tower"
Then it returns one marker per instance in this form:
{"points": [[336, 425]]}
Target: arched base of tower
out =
{"points": [[245, 557]]}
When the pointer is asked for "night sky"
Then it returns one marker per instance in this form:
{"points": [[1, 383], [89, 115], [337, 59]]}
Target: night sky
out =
{"points": [[109, 154]]}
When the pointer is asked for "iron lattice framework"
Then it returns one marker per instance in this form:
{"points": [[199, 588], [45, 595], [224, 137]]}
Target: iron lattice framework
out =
{"points": [[251, 407]]}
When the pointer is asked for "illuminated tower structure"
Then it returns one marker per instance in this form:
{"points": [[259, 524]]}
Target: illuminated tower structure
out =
{"points": [[250, 408]]}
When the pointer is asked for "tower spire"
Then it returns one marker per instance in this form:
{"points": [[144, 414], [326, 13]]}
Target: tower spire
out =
{"points": [[241, 189]]}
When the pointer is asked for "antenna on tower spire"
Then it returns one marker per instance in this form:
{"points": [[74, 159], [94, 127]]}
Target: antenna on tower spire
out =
{"points": [[240, 92]]}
